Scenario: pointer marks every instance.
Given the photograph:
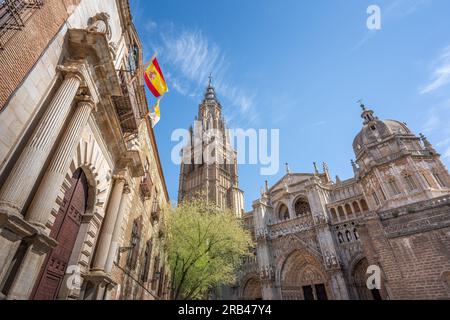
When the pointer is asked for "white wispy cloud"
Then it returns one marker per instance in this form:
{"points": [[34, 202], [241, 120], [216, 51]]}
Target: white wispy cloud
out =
{"points": [[440, 74], [150, 26], [403, 8], [193, 57]]}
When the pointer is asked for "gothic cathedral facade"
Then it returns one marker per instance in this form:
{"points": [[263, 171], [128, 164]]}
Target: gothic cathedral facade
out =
{"points": [[321, 239]]}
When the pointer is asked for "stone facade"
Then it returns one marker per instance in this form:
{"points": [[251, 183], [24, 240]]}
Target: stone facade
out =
{"points": [[82, 190], [316, 237], [209, 163]]}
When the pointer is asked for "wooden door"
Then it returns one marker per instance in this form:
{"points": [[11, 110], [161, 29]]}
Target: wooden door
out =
{"points": [[65, 231]]}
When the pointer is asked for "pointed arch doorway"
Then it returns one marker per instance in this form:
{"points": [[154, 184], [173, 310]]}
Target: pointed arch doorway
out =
{"points": [[65, 231]]}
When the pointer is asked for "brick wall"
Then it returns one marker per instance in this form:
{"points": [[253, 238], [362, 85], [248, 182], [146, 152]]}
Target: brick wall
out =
{"points": [[413, 263], [23, 50]]}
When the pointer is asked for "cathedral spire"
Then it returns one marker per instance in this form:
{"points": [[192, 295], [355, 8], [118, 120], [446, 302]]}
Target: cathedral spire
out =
{"points": [[210, 93]]}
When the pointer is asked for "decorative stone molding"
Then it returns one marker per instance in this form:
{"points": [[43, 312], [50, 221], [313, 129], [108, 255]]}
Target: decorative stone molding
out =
{"points": [[331, 260], [80, 69], [100, 24], [86, 99], [267, 273]]}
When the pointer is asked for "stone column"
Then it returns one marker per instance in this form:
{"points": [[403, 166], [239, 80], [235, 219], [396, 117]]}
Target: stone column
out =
{"points": [[46, 195], [108, 224], [116, 232], [20, 182]]}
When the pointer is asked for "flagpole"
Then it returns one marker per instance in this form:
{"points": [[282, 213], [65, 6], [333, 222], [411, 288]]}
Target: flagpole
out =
{"points": [[150, 61]]}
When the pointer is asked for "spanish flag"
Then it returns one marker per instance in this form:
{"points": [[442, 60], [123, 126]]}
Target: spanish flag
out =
{"points": [[154, 78], [155, 114]]}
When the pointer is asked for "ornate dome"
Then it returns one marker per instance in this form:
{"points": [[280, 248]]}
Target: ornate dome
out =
{"points": [[375, 130]]}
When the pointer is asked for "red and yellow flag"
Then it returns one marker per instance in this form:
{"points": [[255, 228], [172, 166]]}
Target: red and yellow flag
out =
{"points": [[154, 79]]}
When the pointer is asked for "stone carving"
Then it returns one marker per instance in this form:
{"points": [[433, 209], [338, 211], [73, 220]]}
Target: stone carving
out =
{"points": [[100, 23], [331, 261], [266, 273]]}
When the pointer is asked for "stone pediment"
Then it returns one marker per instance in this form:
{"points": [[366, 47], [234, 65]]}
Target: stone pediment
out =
{"points": [[290, 180]]}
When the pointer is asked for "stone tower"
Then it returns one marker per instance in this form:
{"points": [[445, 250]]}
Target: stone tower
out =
{"points": [[209, 163]]}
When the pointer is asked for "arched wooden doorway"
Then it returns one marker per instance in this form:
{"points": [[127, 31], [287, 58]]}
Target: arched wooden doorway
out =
{"points": [[252, 290], [303, 278], [360, 278], [65, 231]]}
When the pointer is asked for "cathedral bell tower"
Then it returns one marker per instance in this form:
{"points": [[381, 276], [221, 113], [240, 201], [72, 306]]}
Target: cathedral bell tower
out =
{"points": [[209, 163]]}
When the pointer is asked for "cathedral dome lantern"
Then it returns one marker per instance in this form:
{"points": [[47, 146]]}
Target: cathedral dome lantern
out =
{"points": [[376, 130]]}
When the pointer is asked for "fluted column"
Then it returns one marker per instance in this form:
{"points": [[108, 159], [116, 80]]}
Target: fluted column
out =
{"points": [[116, 232], [109, 222], [47, 192], [20, 182]]}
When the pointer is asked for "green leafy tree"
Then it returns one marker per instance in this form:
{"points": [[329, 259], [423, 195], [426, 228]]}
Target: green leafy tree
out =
{"points": [[205, 244]]}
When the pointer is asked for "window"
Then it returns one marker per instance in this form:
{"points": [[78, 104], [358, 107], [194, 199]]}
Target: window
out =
{"points": [[393, 187], [133, 59], [302, 207], [348, 236], [375, 198], [356, 207], [341, 213], [348, 209], [355, 234], [380, 191], [410, 182], [13, 14], [147, 257], [161, 282], [364, 205], [134, 244], [333, 213], [439, 180], [425, 177], [340, 237], [155, 273]]}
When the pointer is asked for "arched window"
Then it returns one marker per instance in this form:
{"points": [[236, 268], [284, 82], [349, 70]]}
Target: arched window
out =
{"points": [[341, 213], [355, 234], [356, 208], [410, 183], [340, 237], [283, 212], [348, 209], [348, 236], [302, 207], [364, 205], [333, 213]]}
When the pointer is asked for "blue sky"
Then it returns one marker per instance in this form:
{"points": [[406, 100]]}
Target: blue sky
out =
{"points": [[300, 66]]}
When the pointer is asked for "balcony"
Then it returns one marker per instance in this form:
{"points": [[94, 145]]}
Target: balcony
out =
{"points": [[146, 186], [13, 14], [126, 104]]}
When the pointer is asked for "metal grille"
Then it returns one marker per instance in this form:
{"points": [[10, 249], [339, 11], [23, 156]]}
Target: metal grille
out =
{"points": [[13, 15]]}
